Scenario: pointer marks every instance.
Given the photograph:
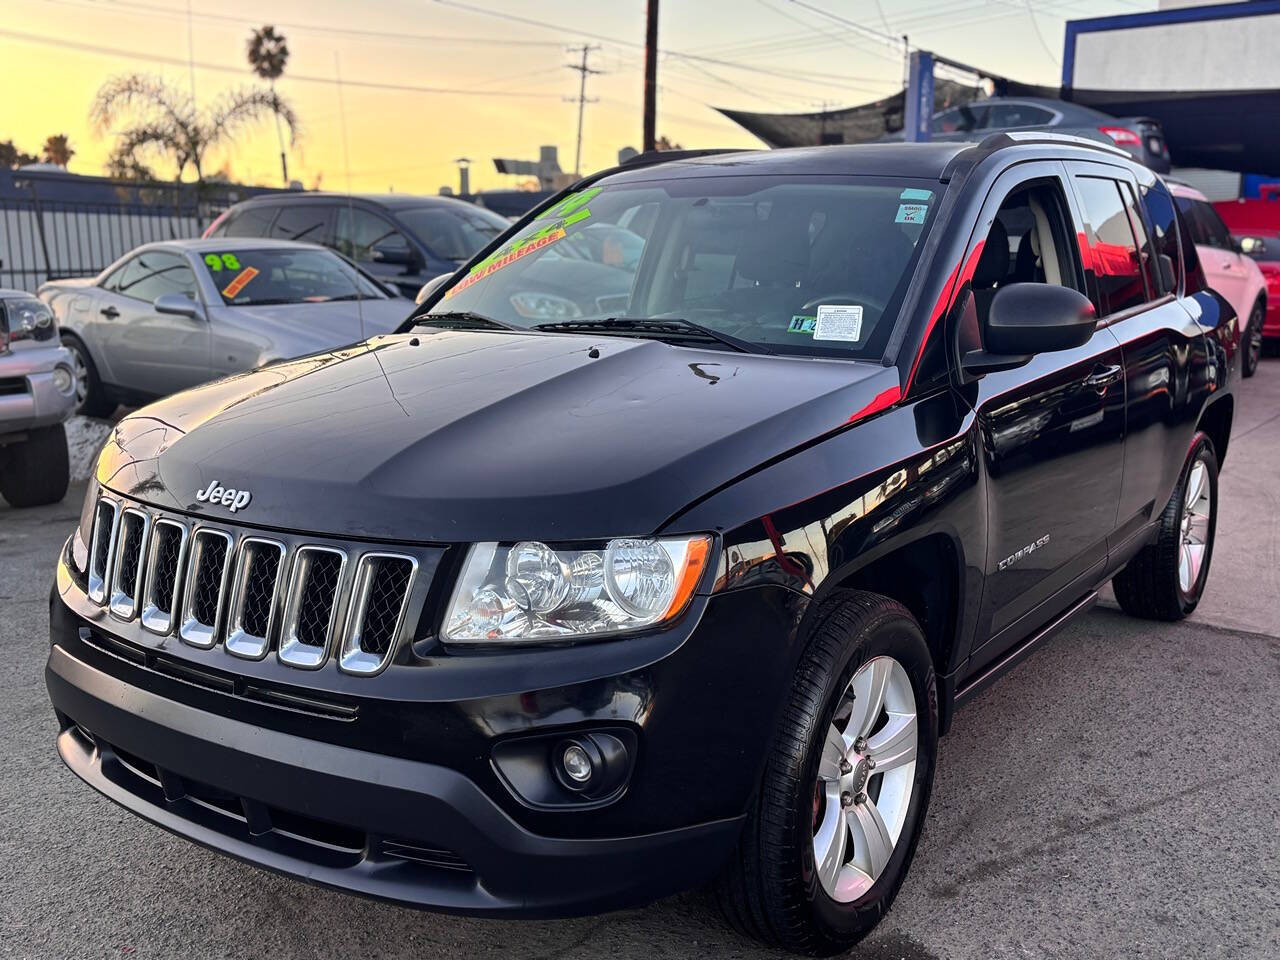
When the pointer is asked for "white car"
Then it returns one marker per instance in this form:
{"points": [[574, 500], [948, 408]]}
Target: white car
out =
{"points": [[1227, 269]]}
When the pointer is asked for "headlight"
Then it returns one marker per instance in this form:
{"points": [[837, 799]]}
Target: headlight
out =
{"points": [[28, 319], [544, 306], [528, 592]]}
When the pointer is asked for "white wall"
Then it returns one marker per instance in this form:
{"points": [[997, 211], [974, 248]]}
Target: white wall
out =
{"points": [[1236, 54]]}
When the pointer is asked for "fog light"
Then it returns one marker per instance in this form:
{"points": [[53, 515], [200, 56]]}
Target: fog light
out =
{"points": [[63, 379], [576, 763]]}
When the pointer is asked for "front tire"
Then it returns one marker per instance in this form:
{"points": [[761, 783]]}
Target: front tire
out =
{"points": [[91, 396], [1166, 580], [35, 471], [1251, 346], [830, 835]]}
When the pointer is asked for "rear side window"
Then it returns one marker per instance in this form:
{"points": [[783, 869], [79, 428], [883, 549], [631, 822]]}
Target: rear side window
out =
{"points": [[247, 222], [1164, 226], [308, 222], [1116, 260], [1005, 115]]}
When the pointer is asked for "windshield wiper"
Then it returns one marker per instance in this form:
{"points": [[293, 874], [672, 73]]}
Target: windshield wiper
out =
{"points": [[462, 320], [659, 328]]}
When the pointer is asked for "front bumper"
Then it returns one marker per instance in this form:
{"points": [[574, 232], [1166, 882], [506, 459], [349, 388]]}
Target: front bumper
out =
{"points": [[40, 404], [402, 802], [386, 827]]}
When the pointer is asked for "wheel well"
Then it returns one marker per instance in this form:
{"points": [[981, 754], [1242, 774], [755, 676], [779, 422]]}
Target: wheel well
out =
{"points": [[1216, 422], [923, 576]]}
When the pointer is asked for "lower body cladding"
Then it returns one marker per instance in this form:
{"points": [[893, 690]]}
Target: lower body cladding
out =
{"points": [[421, 826]]}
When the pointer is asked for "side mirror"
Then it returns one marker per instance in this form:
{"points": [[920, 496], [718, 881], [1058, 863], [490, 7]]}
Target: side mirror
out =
{"points": [[1029, 318], [431, 286], [178, 305], [395, 255]]}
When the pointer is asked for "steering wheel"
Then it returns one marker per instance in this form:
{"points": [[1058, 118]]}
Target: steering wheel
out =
{"points": [[861, 299]]}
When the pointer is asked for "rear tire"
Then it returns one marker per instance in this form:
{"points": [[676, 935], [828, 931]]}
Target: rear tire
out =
{"points": [[776, 887], [1251, 346], [35, 471], [1166, 580], [91, 397]]}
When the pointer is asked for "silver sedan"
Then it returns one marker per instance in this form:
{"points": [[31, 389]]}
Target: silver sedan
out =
{"points": [[171, 315]]}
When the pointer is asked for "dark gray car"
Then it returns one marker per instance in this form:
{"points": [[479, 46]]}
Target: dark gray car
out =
{"points": [[172, 315], [1141, 137]]}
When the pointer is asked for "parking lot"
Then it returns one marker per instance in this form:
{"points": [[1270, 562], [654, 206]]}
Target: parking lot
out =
{"points": [[1117, 795]]}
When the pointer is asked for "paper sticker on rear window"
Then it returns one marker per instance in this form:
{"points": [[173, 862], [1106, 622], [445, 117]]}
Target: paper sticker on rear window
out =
{"points": [[838, 322], [911, 213], [239, 283]]}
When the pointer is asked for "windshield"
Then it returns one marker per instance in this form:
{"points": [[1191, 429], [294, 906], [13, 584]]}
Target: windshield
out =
{"points": [[256, 277], [451, 232], [802, 265]]}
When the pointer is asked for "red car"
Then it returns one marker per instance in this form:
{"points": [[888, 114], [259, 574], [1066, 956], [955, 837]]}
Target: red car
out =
{"points": [[1255, 222], [1265, 251]]}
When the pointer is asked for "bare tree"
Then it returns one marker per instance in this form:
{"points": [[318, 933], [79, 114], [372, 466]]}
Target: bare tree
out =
{"points": [[268, 53], [151, 118], [57, 150]]}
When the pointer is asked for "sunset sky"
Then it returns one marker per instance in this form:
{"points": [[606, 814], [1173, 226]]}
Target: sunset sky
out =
{"points": [[768, 55]]}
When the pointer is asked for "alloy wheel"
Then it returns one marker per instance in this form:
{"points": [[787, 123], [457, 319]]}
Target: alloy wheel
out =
{"points": [[1197, 513], [1254, 335], [865, 779], [81, 373]]}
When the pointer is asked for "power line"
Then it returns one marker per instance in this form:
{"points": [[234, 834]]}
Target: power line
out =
{"points": [[222, 68], [582, 100], [126, 6]]}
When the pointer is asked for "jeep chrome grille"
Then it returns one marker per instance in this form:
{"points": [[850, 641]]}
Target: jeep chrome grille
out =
{"points": [[250, 593], [253, 597], [311, 606], [126, 572], [163, 575], [105, 517], [208, 569], [382, 585]]}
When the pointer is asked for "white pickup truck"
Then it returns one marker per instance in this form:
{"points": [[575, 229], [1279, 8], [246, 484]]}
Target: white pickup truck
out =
{"points": [[37, 393]]}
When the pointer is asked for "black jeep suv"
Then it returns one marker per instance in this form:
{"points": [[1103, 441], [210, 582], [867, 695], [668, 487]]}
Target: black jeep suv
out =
{"points": [[535, 620]]}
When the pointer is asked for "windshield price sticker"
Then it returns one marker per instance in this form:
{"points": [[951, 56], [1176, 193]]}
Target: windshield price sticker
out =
{"points": [[493, 266], [240, 282], [218, 262], [838, 322]]}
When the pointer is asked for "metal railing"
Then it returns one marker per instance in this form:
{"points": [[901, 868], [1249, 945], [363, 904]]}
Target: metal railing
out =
{"points": [[54, 226]]}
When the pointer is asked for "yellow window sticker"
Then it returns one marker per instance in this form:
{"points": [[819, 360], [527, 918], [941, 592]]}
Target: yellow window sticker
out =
{"points": [[493, 266]]}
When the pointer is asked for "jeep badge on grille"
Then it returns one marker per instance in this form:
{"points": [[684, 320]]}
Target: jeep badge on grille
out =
{"points": [[226, 496]]}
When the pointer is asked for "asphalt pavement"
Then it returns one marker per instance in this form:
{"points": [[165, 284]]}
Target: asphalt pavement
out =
{"points": [[1117, 795]]}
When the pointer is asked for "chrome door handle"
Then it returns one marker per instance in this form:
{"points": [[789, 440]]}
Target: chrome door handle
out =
{"points": [[109, 312], [1103, 377]]}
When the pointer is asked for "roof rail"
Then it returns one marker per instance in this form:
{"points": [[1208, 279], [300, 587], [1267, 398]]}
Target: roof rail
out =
{"points": [[998, 141], [665, 156]]}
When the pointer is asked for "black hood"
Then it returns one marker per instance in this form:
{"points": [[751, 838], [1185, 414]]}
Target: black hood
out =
{"points": [[461, 436]]}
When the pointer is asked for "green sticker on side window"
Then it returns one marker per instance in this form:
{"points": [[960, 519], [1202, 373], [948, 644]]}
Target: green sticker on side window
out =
{"points": [[801, 324]]}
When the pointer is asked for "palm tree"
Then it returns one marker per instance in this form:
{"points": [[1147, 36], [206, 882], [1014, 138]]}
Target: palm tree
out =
{"points": [[151, 117], [268, 54], [57, 150]]}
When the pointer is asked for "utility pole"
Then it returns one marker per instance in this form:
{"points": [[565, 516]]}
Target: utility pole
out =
{"points": [[650, 76], [582, 99]]}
